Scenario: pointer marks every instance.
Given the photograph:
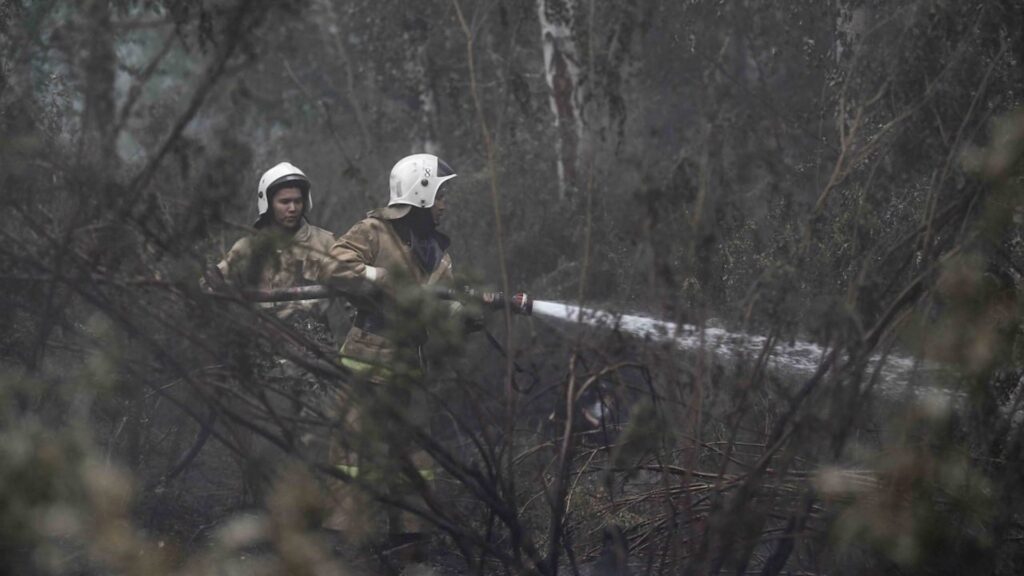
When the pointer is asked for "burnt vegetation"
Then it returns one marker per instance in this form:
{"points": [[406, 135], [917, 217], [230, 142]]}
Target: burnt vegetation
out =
{"points": [[846, 172]]}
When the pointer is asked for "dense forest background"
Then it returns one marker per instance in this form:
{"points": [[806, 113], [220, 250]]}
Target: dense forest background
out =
{"points": [[845, 171]]}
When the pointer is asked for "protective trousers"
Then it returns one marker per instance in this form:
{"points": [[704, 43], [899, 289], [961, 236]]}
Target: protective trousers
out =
{"points": [[377, 450]]}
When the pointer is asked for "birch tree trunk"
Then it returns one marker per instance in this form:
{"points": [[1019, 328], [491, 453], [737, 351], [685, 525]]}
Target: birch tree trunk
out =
{"points": [[618, 64], [418, 71], [562, 72], [851, 24]]}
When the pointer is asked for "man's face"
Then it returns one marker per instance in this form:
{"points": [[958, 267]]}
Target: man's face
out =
{"points": [[288, 206], [439, 208]]}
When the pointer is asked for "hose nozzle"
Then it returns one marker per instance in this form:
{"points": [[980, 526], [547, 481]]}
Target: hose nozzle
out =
{"points": [[519, 303], [522, 303]]}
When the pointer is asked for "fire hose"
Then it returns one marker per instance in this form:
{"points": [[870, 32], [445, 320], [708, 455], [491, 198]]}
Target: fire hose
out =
{"points": [[518, 303]]}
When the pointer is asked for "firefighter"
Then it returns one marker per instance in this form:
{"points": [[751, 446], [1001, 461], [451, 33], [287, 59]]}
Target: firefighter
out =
{"points": [[399, 249], [395, 246], [284, 251]]}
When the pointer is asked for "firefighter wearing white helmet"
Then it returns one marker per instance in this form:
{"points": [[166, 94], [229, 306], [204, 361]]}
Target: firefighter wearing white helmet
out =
{"points": [[394, 247], [286, 250], [399, 241], [415, 180], [274, 180]]}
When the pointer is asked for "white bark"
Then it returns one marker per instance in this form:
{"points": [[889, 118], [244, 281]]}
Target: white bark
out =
{"points": [[562, 72], [418, 71], [851, 24]]}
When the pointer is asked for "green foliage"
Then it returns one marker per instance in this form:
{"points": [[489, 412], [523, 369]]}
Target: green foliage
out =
{"points": [[924, 504]]}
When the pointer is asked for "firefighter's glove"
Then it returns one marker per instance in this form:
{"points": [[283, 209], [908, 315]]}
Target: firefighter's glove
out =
{"points": [[377, 283], [375, 275]]}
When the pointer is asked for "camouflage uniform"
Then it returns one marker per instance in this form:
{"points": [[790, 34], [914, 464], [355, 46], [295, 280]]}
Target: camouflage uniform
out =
{"points": [[285, 262], [267, 260]]}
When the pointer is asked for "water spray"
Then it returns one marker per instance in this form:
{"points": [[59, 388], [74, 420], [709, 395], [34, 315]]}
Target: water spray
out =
{"points": [[797, 356]]}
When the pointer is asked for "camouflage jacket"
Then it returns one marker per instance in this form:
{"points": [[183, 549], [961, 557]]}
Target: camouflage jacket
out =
{"points": [[267, 260]]}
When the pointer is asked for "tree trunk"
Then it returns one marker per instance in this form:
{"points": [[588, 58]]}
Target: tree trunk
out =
{"points": [[418, 72], [562, 72], [851, 24], [619, 64]]}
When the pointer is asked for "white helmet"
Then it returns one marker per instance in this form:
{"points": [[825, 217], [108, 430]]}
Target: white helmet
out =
{"points": [[415, 180], [283, 173]]}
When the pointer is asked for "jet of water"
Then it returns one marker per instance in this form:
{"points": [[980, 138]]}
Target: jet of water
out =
{"points": [[798, 356]]}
